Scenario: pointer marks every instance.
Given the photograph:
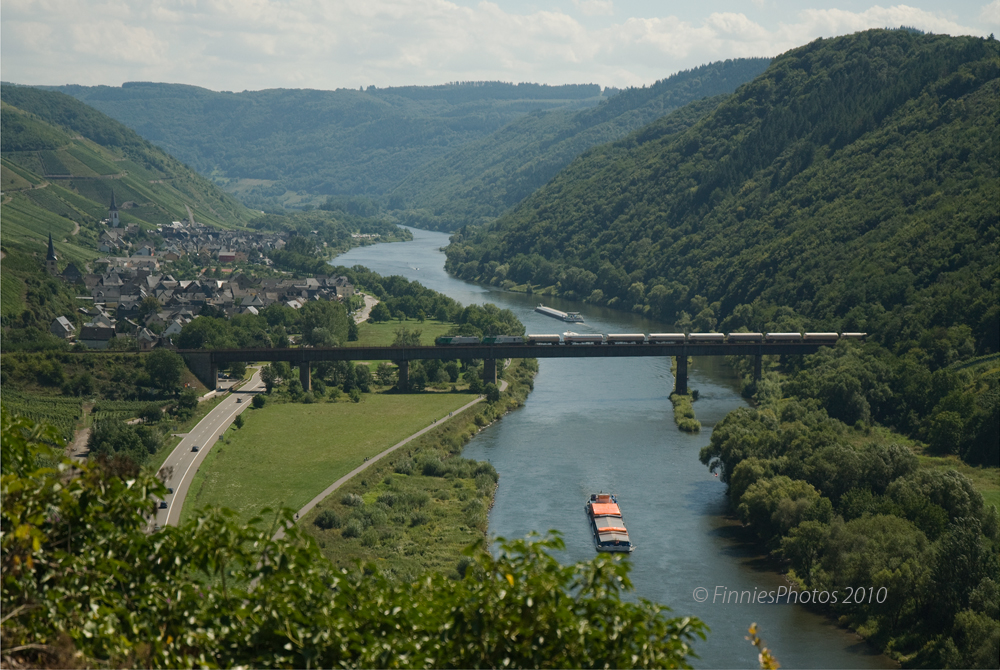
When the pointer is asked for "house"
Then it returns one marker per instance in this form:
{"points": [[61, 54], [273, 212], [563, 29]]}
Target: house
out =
{"points": [[147, 339], [72, 274], [62, 327], [96, 337], [227, 256]]}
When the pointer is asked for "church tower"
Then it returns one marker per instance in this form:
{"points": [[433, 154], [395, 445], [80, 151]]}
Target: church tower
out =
{"points": [[51, 265], [113, 212]]}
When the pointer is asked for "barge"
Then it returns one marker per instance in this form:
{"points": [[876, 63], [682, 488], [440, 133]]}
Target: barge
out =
{"points": [[610, 534], [573, 317]]}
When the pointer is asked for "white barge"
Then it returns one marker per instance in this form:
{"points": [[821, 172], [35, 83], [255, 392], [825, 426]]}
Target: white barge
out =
{"points": [[562, 316]]}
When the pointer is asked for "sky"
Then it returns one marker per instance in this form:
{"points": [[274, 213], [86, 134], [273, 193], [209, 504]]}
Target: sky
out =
{"points": [[236, 45]]}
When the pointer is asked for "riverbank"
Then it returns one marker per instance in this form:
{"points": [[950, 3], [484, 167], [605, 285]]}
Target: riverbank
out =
{"points": [[683, 409], [417, 508]]}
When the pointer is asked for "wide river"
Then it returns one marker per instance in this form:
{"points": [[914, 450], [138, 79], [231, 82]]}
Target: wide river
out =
{"points": [[607, 425]]}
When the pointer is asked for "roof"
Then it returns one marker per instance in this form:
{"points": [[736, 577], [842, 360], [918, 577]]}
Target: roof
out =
{"points": [[605, 509]]}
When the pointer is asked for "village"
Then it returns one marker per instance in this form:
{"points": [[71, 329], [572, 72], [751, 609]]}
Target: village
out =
{"points": [[137, 302]]}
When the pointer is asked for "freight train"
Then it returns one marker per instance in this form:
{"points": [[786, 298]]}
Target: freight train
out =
{"points": [[616, 339]]}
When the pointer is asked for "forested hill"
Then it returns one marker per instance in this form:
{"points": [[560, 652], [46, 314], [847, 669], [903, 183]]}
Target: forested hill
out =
{"points": [[853, 185], [61, 160], [275, 143], [483, 178]]}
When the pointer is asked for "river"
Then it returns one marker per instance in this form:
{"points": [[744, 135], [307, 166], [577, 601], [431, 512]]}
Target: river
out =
{"points": [[607, 425]]}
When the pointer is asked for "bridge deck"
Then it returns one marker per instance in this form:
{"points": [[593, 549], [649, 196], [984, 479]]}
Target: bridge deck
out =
{"points": [[448, 352]]}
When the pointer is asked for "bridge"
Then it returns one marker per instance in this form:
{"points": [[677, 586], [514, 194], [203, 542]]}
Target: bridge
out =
{"points": [[205, 363]]}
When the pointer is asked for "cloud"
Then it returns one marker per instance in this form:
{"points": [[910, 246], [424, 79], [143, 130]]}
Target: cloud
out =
{"points": [[253, 44], [595, 7], [990, 14]]}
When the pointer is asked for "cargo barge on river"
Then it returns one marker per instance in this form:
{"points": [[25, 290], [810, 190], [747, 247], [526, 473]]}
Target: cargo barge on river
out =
{"points": [[607, 525], [573, 317]]}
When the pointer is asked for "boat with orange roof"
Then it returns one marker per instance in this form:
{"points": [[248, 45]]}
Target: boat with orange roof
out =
{"points": [[607, 525]]}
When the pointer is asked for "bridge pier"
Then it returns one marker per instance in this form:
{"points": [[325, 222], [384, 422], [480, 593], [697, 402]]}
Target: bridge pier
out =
{"points": [[681, 380], [203, 366], [305, 375], [489, 371], [403, 376]]}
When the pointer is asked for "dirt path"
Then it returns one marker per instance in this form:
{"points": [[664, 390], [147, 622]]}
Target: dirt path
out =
{"points": [[77, 448]]}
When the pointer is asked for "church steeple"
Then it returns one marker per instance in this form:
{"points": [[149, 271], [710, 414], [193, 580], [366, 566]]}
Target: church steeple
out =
{"points": [[51, 264], [113, 212]]}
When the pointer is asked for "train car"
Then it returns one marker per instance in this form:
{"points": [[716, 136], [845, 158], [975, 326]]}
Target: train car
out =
{"points": [[746, 337], [544, 339], [456, 339], [503, 339], [666, 338], [854, 336], [783, 337], [706, 338], [821, 338], [626, 338], [578, 338]]}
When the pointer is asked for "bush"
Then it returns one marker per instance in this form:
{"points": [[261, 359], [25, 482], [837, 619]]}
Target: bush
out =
{"points": [[352, 500], [404, 467], [354, 528], [327, 519], [259, 400]]}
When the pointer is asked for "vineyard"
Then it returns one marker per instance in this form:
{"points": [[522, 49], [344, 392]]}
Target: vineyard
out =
{"points": [[123, 410], [62, 412]]}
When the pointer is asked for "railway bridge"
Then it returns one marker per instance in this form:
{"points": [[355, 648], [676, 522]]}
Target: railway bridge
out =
{"points": [[205, 363]]}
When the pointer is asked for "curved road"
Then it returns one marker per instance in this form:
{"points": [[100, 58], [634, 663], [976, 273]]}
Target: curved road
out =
{"points": [[182, 464]]}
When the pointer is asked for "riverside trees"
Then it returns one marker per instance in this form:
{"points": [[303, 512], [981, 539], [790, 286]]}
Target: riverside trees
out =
{"points": [[849, 510]]}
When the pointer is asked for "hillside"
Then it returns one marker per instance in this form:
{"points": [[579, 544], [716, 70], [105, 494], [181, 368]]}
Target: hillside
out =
{"points": [[60, 162], [481, 179], [851, 187], [856, 172], [295, 147]]}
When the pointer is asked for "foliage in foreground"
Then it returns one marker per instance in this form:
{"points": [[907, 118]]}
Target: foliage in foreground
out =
{"points": [[84, 583]]}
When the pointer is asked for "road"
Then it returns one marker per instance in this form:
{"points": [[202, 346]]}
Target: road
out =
{"points": [[182, 464], [365, 311]]}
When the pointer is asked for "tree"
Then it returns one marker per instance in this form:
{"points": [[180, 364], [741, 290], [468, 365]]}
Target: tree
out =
{"points": [[269, 375], [322, 315], [165, 368], [239, 421], [380, 313], [406, 337], [151, 413], [258, 401], [385, 373], [492, 392]]}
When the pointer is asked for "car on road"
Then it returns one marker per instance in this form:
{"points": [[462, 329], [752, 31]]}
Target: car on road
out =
{"points": [[163, 504], [239, 400], [194, 448], [170, 489]]}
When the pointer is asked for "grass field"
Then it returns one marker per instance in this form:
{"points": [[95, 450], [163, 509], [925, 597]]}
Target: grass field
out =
{"points": [[383, 334], [288, 453]]}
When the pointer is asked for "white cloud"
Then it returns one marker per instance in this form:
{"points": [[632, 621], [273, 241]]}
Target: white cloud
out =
{"points": [[595, 7], [237, 44], [990, 14]]}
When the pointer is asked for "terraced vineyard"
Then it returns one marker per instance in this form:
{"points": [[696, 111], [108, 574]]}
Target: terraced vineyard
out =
{"points": [[62, 412], [123, 410]]}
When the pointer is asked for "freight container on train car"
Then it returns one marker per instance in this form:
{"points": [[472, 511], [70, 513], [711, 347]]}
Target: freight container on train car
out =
{"points": [[707, 338], [784, 337], [626, 338], [578, 338], [746, 337], [666, 338], [544, 339]]}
